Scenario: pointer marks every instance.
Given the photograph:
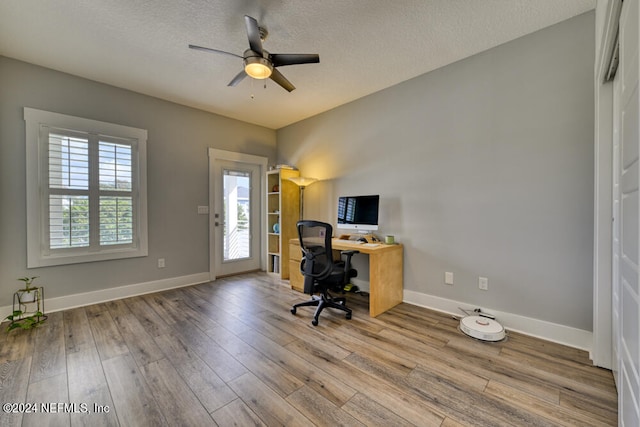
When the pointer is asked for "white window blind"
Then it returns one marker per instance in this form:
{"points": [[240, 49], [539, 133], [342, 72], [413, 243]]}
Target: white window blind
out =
{"points": [[116, 198], [87, 198], [68, 164]]}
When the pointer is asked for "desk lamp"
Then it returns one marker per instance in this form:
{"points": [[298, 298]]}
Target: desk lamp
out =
{"points": [[302, 182]]}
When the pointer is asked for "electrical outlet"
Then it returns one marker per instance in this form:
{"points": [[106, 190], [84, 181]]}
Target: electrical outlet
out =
{"points": [[448, 278], [161, 263], [483, 283]]}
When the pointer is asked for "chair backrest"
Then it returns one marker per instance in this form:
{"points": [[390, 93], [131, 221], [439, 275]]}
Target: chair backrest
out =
{"points": [[315, 242]]}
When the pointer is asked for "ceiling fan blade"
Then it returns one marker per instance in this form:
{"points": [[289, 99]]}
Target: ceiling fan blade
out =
{"points": [[238, 78], [281, 59], [277, 77], [208, 49], [253, 32]]}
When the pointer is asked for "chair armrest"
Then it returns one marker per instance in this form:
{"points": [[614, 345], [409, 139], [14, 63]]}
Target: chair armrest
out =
{"points": [[349, 253], [347, 262]]}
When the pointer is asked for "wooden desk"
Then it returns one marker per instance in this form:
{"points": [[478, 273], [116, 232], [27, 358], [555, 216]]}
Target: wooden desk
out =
{"points": [[385, 272]]}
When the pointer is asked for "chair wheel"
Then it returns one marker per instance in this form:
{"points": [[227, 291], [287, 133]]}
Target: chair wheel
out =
{"points": [[293, 310], [314, 322], [348, 316]]}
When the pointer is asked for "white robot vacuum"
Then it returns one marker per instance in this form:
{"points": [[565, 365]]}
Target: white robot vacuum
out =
{"points": [[482, 328]]}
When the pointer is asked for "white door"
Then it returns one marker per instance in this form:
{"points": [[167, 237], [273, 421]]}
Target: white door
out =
{"points": [[627, 272], [235, 211]]}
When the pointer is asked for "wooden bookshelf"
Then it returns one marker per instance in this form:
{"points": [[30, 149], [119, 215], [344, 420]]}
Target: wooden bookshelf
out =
{"points": [[283, 208]]}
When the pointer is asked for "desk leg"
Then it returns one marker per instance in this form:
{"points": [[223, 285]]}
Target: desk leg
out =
{"points": [[385, 281]]}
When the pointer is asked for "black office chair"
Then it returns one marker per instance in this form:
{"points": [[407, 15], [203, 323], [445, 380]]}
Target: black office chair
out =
{"points": [[321, 272]]}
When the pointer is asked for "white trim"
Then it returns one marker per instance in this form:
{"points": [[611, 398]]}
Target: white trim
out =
{"points": [[538, 328], [103, 295], [216, 154], [602, 232], [612, 10], [553, 332], [601, 349]]}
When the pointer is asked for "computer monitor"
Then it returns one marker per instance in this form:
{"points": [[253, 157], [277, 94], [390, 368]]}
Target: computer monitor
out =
{"points": [[358, 213]]}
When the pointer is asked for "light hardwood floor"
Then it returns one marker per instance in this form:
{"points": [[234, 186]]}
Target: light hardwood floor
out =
{"points": [[231, 353]]}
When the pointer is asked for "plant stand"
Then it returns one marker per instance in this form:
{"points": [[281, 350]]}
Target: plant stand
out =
{"points": [[27, 315]]}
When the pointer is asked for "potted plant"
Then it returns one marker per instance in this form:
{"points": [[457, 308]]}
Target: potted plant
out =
{"points": [[18, 320], [22, 317], [28, 294]]}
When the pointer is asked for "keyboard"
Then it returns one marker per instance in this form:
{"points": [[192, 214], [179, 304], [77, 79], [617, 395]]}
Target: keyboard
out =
{"points": [[358, 243]]}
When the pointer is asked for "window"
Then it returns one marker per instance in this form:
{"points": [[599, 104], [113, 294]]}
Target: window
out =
{"points": [[236, 187], [86, 190]]}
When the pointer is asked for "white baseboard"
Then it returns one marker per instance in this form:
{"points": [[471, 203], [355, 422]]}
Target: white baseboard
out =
{"points": [[554, 332], [87, 298]]}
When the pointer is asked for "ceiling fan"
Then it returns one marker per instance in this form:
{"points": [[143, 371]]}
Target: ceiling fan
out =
{"points": [[260, 64]]}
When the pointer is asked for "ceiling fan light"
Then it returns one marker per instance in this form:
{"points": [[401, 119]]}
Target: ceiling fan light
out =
{"points": [[258, 68]]}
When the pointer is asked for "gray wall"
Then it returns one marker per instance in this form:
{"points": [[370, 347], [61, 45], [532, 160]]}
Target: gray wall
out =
{"points": [[484, 168], [177, 176]]}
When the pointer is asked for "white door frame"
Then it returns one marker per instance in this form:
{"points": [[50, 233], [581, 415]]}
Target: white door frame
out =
{"points": [[215, 154], [601, 349]]}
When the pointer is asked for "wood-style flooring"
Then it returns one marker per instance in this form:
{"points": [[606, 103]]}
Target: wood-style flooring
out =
{"points": [[231, 353]]}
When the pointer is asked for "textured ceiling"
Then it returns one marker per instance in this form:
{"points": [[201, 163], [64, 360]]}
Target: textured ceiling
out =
{"points": [[364, 46]]}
